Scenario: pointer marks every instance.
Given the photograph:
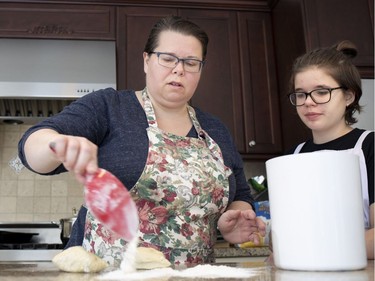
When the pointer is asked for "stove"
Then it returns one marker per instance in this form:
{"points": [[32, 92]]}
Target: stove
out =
{"points": [[30, 241]]}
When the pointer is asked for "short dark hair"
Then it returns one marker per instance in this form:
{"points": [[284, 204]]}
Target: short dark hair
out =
{"points": [[337, 62], [177, 24]]}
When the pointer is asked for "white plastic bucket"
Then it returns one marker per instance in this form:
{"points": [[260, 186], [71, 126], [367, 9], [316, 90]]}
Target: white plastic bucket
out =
{"points": [[316, 211]]}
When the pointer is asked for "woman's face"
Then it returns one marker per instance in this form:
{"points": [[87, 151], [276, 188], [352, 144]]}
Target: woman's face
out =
{"points": [[322, 118], [172, 87]]}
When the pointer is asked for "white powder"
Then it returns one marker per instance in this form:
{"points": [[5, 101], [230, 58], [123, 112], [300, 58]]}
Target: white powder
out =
{"points": [[128, 259], [215, 271], [138, 275], [200, 271]]}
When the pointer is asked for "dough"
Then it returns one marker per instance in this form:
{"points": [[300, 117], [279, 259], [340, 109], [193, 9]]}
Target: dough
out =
{"points": [[149, 258], [77, 259]]}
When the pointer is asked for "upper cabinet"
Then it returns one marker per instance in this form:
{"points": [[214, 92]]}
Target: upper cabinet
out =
{"points": [[259, 85], [330, 21], [133, 27], [55, 21], [219, 90], [238, 82]]}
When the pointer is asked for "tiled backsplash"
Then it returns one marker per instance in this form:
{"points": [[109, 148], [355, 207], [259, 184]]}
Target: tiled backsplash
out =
{"points": [[28, 197]]}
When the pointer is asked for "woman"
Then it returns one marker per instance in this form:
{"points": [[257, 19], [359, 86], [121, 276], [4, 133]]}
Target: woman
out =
{"points": [[180, 164], [326, 88]]}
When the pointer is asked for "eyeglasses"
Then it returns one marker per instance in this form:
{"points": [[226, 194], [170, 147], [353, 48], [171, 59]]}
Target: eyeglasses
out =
{"points": [[171, 61], [319, 96]]}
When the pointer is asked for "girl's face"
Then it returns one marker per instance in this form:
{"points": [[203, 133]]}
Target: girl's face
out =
{"points": [[322, 118], [172, 87]]}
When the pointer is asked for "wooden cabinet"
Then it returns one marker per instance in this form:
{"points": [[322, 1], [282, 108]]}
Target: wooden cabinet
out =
{"points": [[219, 91], [330, 21], [133, 27], [259, 85], [288, 28], [57, 21], [238, 82]]}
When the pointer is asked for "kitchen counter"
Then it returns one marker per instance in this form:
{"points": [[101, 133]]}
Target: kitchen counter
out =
{"points": [[47, 271], [242, 252]]}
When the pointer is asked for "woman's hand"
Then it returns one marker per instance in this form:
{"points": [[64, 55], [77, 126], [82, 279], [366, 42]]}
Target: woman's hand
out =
{"points": [[77, 154], [239, 226], [45, 150]]}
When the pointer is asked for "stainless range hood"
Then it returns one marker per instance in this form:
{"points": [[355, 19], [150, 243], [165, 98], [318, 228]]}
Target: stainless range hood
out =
{"points": [[39, 77]]}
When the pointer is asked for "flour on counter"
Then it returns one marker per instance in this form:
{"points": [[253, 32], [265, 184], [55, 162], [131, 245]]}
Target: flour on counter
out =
{"points": [[128, 260], [202, 271], [138, 275], [215, 271]]}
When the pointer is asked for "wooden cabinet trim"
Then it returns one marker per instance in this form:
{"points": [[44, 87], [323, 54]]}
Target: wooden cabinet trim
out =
{"points": [[250, 5], [57, 21]]}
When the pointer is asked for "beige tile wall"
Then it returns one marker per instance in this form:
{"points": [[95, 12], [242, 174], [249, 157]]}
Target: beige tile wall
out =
{"points": [[28, 197]]}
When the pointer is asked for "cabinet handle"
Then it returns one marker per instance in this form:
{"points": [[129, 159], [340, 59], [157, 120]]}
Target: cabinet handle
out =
{"points": [[252, 143]]}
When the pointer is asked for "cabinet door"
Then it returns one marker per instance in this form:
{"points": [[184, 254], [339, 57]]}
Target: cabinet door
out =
{"points": [[133, 27], [57, 21], [219, 90], [330, 21], [259, 86], [286, 16]]}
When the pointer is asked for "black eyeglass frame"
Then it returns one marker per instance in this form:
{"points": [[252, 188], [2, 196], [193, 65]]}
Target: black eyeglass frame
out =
{"points": [[309, 95], [201, 62]]}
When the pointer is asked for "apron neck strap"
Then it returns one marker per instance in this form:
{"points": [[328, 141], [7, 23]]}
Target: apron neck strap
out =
{"points": [[151, 118]]}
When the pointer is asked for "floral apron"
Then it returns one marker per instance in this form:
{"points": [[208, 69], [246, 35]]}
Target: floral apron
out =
{"points": [[180, 195]]}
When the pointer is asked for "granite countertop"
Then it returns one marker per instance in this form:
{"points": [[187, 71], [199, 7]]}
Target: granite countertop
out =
{"points": [[46, 271], [242, 252]]}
